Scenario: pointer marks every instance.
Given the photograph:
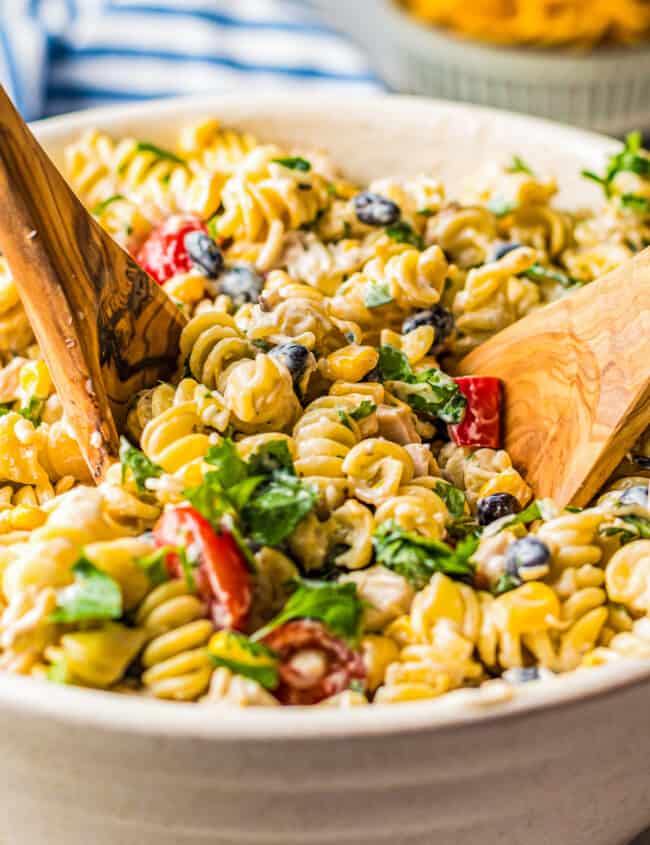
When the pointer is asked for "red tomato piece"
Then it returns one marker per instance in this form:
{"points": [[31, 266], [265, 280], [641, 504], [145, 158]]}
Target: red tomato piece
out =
{"points": [[481, 425], [222, 577], [333, 664], [163, 254]]}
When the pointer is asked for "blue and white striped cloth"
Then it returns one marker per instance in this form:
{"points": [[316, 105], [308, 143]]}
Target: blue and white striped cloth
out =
{"points": [[62, 55]]}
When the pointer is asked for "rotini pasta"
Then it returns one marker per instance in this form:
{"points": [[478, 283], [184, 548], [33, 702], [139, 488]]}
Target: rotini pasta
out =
{"points": [[302, 514]]}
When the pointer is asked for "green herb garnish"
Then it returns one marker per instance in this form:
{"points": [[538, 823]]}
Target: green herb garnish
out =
{"points": [[538, 273], [244, 657], [377, 294], [429, 392], [336, 605], [632, 528], [452, 497], [159, 152], [263, 494], [93, 595], [154, 565], [274, 512], [363, 410], [639, 204], [506, 583], [139, 464], [403, 233], [417, 558], [101, 207], [296, 163], [518, 165], [628, 160]]}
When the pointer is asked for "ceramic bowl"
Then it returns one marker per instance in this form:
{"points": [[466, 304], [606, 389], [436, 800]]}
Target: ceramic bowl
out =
{"points": [[562, 761], [607, 90]]}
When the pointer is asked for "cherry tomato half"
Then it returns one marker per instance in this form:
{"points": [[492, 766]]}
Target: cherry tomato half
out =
{"points": [[481, 425], [313, 663], [164, 253], [222, 577]]}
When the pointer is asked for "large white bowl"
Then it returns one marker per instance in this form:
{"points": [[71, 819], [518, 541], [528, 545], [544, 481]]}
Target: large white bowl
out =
{"points": [[566, 761]]}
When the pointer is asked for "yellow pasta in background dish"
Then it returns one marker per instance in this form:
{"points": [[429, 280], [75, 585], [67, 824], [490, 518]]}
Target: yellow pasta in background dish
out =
{"points": [[539, 22]]}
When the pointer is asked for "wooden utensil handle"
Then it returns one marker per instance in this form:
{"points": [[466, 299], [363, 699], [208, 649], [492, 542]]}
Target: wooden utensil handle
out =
{"points": [[103, 326]]}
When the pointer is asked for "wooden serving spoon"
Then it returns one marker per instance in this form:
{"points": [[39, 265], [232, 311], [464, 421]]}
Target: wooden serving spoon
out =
{"points": [[104, 327], [577, 382]]}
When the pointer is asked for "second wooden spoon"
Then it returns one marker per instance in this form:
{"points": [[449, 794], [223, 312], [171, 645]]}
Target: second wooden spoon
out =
{"points": [[577, 382]]}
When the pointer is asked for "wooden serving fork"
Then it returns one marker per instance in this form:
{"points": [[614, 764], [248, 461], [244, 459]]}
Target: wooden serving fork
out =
{"points": [[577, 382], [104, 327]]}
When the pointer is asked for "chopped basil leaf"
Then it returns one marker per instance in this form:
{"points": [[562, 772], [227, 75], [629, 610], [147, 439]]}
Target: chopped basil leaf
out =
{"points": [[628, 160], [32, 411], [425, 212], [271, 456], [229, 466], [154, 565], [159, 152], [188, 566], [518, 165], [209, 498], [331, 189], [630, 527], [93, 595], [430, 392], [506, 583], [336, 605], [345, 419], [539, 273], [589, 174], [377, 294], [417, 558], [296, 163], [639, 204], [500, 206], [263, 493], [403, 233], [393, 364], [363, 410], [357, 685], [530, 514], [571, 509], [452, 497], [139, 464], [274, 512], [101, 207], [464, 526], [244, 657]]}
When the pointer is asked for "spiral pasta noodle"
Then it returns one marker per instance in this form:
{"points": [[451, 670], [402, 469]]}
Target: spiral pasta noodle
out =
{"points": [[304, 513]]}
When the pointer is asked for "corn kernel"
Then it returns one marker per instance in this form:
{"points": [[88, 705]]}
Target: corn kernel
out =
{"points": [[20, 518], [186, 287], [34, 380], [351, 363], [378, 653], [508, 481], [527, 609]]}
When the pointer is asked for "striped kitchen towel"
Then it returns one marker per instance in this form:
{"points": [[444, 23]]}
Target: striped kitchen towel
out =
{"points": [[62, 55]]}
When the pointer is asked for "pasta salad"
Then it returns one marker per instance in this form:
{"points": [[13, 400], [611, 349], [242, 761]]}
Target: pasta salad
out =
{"points": [[315, 511]]}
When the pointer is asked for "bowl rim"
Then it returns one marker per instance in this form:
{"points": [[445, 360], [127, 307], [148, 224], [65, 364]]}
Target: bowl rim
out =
{"points": [[455, 710], [427, 37]]}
